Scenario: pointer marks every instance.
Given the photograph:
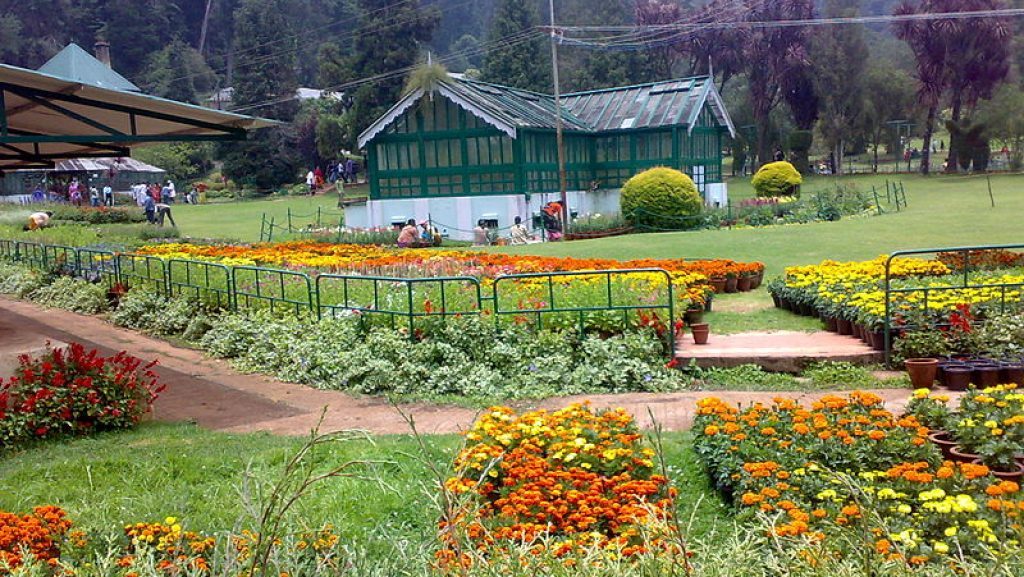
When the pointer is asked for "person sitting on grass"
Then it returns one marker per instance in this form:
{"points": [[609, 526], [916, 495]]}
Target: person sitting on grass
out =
{"points": [[38, 220], [408, 234]]}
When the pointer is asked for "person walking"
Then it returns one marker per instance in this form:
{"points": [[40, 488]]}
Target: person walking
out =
{"points": [[94, 197], [172, 192], [75, 192], [350, 170], [149, 207], [311, 182], [108, 195]]}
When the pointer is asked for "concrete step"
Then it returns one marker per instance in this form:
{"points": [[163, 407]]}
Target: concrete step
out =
{"points": [[780, 351]]}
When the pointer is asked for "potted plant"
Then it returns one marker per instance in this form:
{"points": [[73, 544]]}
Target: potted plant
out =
{"points": [[921, 350], [933, 411], [700, 333], [731, 280]]}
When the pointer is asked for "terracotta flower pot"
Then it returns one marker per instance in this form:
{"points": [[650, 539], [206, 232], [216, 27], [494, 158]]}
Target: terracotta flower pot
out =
{"points": [[922, 372], [700, 333], [943, 441], [744, 284], [957, 377], [694, 316], [877, 339], [1014, 476], [985, 376], [718, 284], [845, 327], [731, 284], [1011, 373], [831, 324], [959, 454]]}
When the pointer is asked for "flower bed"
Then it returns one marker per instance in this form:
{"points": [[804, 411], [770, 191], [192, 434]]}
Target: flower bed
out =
{"points": [[44, 543], [565, 481], [854, 292], [988, 423], [74, 392], [846, 462]]}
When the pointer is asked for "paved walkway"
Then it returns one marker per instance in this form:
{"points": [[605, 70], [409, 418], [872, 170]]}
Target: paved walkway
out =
{"points": [[216, 396]]}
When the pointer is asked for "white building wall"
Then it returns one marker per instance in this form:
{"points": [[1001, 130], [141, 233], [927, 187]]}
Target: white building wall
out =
{"points": [[457, 216]]}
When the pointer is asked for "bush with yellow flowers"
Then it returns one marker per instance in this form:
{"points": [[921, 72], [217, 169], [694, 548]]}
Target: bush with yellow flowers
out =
{"points": [[846, 463]]}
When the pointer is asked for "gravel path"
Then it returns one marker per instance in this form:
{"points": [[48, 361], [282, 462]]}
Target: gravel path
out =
{"points": [[214, 395]]}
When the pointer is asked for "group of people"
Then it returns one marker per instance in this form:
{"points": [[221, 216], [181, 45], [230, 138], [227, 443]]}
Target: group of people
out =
{"points": [[410, 236], [344, 170], [484, 234]]}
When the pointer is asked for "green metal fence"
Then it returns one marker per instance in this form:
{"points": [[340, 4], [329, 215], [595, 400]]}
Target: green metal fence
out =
{"points": [[963, 282], [254, 287], [398, 300], [558, 305], [136, 270], [402, 302], [208, 282], [97, 266]]}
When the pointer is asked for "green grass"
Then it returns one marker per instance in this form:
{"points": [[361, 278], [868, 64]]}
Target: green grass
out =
{"points": [[944, 211], [196, 475], [241, 220], [754, 311]]}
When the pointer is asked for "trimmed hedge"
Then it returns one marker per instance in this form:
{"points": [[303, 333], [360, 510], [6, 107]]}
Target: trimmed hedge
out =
{"points": [[660, 197], [777, 179]]}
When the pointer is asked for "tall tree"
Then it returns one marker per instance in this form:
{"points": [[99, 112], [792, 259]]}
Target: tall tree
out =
{"points": [[400, 29], [840, 56], [264, 84], [663, 54], [178, 72], [962, 58], [889, 96], [512, 61]]}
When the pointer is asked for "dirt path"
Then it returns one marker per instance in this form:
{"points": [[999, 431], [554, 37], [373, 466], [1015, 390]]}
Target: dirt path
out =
{"points": [[217, 397]]}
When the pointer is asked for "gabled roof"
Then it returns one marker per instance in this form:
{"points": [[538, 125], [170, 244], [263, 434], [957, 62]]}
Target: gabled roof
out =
{"points": [[669, 103], [74, 63]]}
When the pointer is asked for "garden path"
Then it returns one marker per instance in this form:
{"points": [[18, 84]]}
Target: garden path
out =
{"points": [[783, 351], [215, 396]]}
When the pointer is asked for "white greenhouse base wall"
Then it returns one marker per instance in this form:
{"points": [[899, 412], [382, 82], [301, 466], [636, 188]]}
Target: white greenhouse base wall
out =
{"points": [[456, 216]]}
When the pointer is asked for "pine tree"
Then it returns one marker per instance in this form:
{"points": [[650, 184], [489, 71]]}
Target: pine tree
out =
{"points": [[264, 85], [399, 32], [525, 65]]}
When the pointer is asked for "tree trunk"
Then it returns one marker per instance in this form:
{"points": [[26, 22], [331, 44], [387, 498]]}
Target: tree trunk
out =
{"points": [[764, 147], [205, 27], [952, 161], [874, 163], [929, 128]]}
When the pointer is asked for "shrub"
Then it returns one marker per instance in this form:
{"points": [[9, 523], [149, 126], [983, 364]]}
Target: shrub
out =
{"points": [[143, 309], [72, 294], [96, 215], [777, 179], [19, 280], [74, 392], [661, 198]]}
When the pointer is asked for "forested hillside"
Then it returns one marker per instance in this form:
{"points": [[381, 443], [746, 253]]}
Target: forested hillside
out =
{"points": [[797, 87]]}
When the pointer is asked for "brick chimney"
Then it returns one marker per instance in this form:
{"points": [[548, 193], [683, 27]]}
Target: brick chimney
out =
{"points": [[102, 50]]}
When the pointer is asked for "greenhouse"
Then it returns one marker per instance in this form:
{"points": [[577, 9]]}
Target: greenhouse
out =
{"points": [[466, 151]]}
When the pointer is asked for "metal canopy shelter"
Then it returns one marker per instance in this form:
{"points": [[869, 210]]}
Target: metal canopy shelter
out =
{"points": [[48, 118]]}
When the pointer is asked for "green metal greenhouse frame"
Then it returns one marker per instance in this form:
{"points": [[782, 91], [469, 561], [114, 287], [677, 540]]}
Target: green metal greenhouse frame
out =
{"points": [[468, 138]]}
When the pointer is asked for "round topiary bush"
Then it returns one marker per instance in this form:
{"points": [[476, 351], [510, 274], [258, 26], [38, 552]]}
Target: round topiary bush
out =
{"points": [[777, 179], [661, 198]]}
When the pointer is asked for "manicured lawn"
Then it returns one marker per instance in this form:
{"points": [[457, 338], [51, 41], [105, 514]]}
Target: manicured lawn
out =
{"points": [[944, 211], [241, 220], [197, 476]]}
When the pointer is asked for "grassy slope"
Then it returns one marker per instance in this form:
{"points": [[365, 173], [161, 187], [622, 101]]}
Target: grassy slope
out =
{"points": [[196, 475], [241, 220], [944, 211]]}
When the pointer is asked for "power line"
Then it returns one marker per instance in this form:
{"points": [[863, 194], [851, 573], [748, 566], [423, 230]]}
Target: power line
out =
{"points": [[484, 48], [869, 19], [352, 35]]}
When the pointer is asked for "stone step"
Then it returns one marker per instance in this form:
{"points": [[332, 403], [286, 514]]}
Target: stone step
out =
{"points": [[779, 351]]}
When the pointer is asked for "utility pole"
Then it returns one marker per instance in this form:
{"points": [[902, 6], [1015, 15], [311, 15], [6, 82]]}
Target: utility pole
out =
{"points": [[562, 185]]}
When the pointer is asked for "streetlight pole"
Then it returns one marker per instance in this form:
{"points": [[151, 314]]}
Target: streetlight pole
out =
{"points": [[562, 184]]}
